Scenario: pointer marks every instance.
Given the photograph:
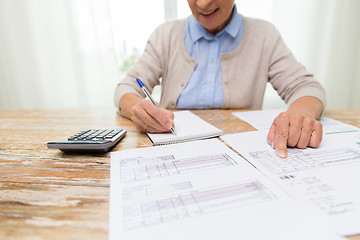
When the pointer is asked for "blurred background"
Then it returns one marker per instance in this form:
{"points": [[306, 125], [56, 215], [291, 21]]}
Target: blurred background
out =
{"points": [[70, 54]]}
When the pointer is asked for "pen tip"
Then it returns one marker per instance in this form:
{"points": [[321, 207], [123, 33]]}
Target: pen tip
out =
{"points": [[172, 130]]}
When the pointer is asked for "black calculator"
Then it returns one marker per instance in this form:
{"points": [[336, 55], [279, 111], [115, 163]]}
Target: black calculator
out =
{"points": [[90, 140]]}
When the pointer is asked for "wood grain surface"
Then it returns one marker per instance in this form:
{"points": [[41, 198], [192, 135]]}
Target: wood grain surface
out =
{"points": [[47, 194]]}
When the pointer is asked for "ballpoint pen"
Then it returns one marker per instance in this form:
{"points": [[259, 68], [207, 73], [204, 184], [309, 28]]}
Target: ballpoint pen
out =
{"points": [[142, 86]]}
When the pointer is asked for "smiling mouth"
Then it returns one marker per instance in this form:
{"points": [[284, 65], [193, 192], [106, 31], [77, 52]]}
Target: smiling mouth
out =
{"points": [[209, 13]]}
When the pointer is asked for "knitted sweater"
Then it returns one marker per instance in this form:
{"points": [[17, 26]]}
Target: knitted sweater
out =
{"points": [[261, 57]]}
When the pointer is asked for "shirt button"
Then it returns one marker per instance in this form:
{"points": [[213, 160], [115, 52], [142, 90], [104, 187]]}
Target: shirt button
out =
{"points": [[182, 85], [212, 60]]}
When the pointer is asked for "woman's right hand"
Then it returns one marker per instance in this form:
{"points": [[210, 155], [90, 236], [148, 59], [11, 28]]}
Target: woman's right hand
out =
{"points": [[149, 118]]}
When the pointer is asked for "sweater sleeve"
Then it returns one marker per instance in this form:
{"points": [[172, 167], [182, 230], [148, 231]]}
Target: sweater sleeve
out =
{"points": [[289, 77]]}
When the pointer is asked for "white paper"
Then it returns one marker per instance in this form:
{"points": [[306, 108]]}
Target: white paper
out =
{"points": [[325, 180], [188, 127], [201, 190], [259, 119], [262, 120]]}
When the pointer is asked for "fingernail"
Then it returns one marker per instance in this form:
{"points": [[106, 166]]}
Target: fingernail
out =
{"points": [[282, 153]]}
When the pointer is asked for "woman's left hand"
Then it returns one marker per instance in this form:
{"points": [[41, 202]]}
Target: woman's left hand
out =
{"points": [[294, 130]]}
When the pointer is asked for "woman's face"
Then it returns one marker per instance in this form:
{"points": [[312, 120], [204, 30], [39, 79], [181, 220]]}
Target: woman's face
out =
{"points": [[213, 15]]}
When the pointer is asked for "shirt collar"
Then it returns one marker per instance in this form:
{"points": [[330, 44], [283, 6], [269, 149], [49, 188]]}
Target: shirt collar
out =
{"points": [[197, 31]]}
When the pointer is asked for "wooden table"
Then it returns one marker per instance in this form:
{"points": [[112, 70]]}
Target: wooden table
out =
{"points": [[46, 194]]}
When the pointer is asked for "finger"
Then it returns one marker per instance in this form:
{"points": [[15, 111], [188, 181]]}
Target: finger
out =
{"points": [[295, 128], [281, 135], [144, 113], [306, 131], [162, 119], [148, 129], [139, 125], [154, 125], [145, 127], [165, 118], [316, 135], [271, 135]]}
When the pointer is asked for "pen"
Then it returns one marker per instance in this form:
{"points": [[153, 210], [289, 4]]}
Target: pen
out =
{"points": [[142, 86]]}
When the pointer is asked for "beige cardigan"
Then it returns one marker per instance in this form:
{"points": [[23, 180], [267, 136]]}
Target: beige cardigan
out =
{"points": [[261, 57]]}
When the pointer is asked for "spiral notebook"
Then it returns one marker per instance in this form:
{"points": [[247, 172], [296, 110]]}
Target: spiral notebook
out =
{"points": [[188, 127]]}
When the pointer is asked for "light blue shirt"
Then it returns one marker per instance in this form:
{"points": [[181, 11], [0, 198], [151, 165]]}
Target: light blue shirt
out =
{"points": [[204, 89]]}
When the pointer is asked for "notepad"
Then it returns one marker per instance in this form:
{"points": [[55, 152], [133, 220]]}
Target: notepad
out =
{"points": [[188, 127]]}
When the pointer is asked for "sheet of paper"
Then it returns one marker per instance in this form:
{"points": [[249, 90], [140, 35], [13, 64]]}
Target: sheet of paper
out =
{"points": [[325, 180], [201, 190], [259, 119], [188, 127], [262, 120], [353, 137]]}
